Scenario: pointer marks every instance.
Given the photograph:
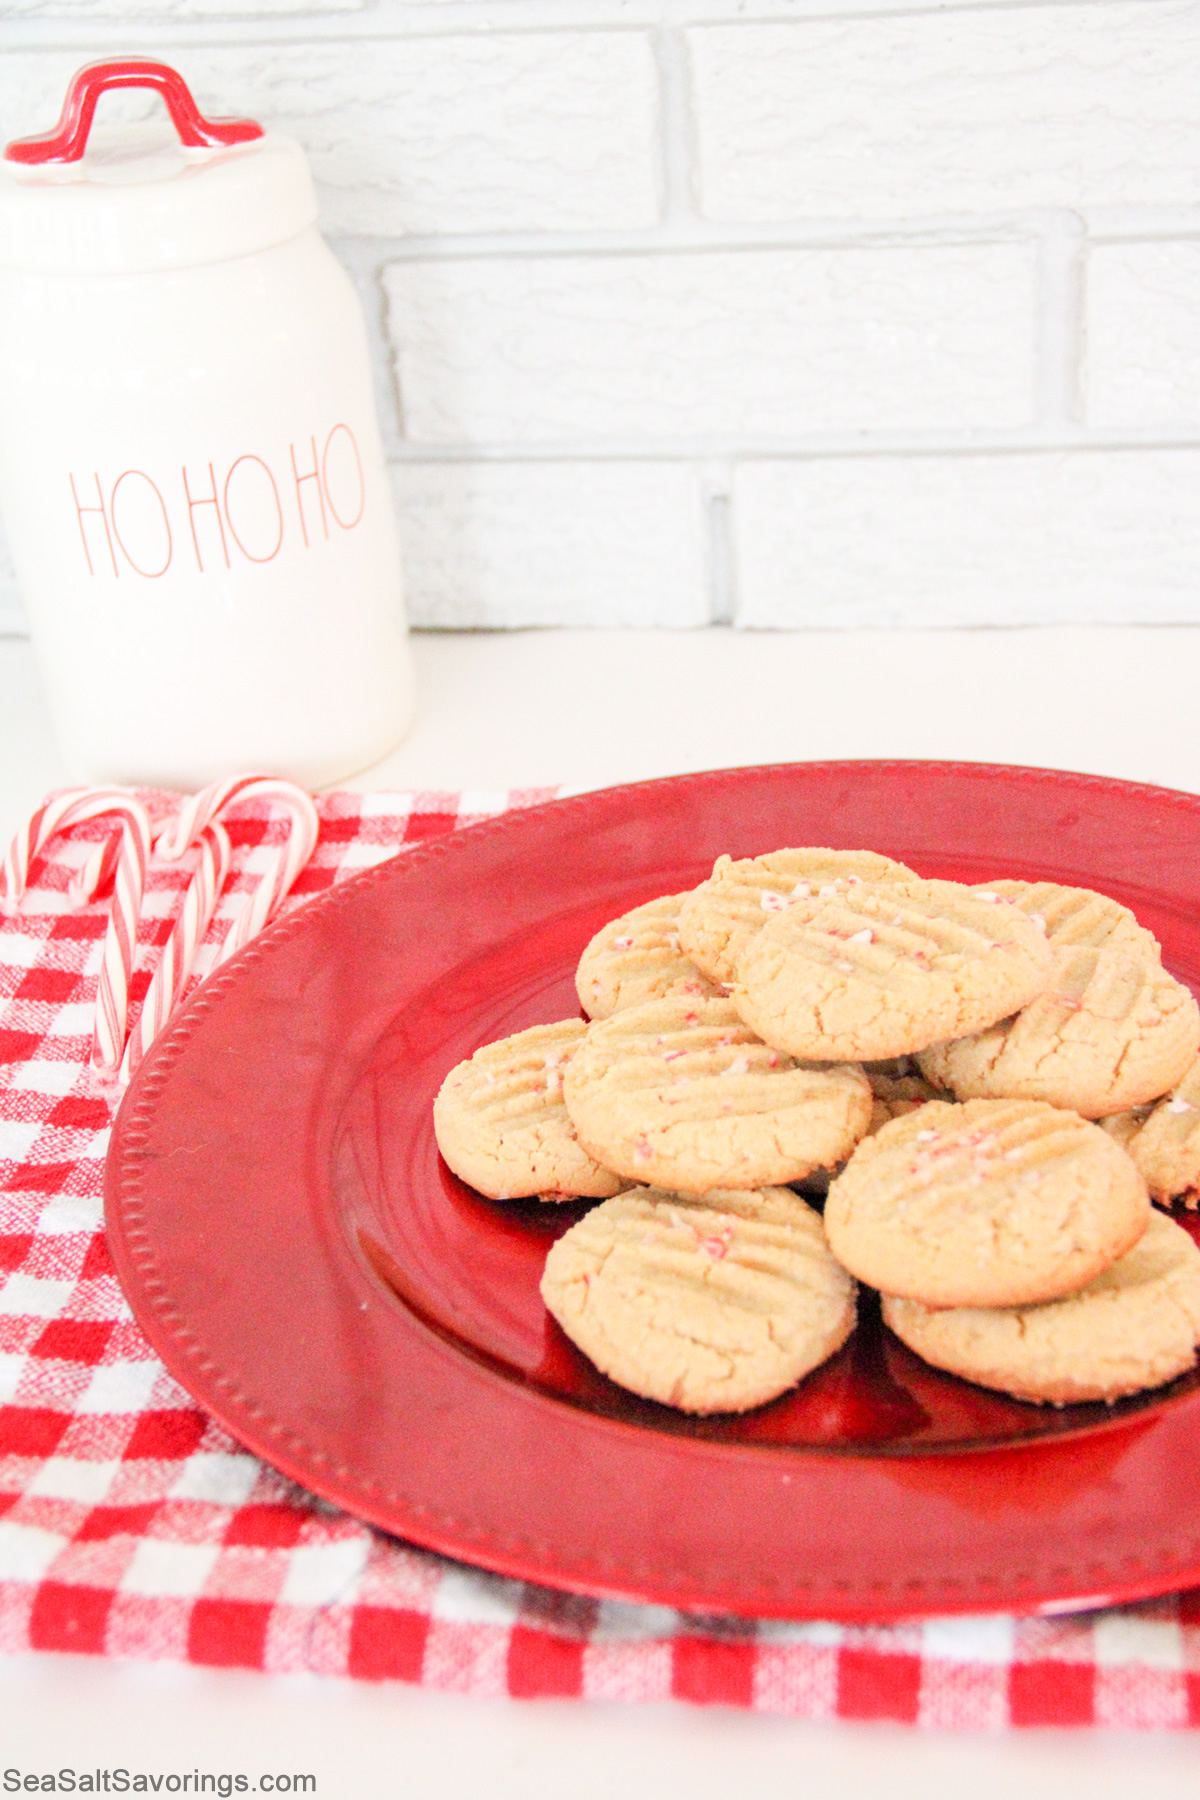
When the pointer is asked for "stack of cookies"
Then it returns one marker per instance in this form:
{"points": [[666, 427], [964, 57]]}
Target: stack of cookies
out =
{"points": [[990, 1083]]}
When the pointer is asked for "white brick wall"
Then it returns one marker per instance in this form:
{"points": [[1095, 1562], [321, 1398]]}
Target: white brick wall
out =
{"points": [[786, 311], [1030, 538], [727, 344]]}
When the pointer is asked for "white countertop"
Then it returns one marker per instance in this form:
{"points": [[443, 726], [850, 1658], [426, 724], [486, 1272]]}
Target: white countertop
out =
{"points": [[585, 709]]}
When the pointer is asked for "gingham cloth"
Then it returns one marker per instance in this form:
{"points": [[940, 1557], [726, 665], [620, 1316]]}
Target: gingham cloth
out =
{"points": [[131, 1525]]}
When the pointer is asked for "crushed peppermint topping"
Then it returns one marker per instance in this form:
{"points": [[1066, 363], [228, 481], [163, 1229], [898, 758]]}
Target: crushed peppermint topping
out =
{"points": [[673, 940], [847, 968], [1176, 1104], [623, 943], [802, 891], [865, 936], [772, 1059], [553, 1081], [830, 889], [926, 1137], [672, 1055], [739, 1066], [772, 902], [642, 1149], [718, 1246], [990, 898], [1038, 920]]}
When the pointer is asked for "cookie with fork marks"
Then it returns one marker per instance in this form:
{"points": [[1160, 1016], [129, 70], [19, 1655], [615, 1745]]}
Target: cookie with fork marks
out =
{"points": [[718, 919], [636, 958], [501, 1124], [680, 1093], [1110, 1031], [886, 969], [995, 1203], [711, 1304], [1134, 1327]]}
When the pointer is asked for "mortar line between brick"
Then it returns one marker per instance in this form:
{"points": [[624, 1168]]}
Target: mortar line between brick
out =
{"points": [[1060, 324], [693, 236], [676, 135], [716, 486], [845, 447]]}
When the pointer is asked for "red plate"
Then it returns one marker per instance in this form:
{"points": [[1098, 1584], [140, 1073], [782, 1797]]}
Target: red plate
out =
{"points": [[307, 1267]]}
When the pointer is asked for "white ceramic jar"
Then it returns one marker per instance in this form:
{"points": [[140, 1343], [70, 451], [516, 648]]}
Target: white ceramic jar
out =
{"points": [[191, 473]]}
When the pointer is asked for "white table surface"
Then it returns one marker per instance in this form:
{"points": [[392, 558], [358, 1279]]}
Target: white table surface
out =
{"points": [[585, 709]]}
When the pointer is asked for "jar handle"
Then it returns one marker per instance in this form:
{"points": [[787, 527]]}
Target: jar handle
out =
{"points": [[68, 140]]}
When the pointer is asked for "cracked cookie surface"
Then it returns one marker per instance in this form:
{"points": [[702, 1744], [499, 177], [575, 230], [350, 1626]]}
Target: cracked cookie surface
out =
{"points": [[886, 969], [710, 1305], [636, 958], [992, 1203], [681, 1093], [1071, 915], [1109, 1032], [1135, 1326], [501, 1124], [718, 919]]}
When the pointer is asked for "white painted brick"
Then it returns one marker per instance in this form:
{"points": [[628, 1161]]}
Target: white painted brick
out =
{"points": [[561, 543], [1069, 536], [948, 111], [1142, 363], [493, 132], [772, 342]]}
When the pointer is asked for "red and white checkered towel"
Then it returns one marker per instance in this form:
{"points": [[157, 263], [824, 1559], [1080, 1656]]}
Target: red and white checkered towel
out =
{"points": [[131, 1525]]}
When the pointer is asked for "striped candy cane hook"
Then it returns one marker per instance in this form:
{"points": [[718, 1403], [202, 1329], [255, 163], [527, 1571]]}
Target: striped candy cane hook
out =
{"points": [[170, 977], [285, 863], [127, 855]]}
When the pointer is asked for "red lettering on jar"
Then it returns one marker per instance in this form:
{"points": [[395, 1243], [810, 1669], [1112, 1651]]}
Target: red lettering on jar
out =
{"points": [[205, 500], [80, 509], [253, 511], [140, 521], [245, 507], [342, 472]]}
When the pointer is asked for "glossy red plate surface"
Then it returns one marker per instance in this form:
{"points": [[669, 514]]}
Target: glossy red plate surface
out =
{"points": [[308, 1268]]}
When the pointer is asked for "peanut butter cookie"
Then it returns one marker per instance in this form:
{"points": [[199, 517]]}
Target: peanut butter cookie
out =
{"points": [[681, 1093], [886, 969], [711, 1305], [1166, 1148], [500, 1121], [995, 1203], [1070, 915], [1135, 1326], [638, 958], [718, 919], [1109, 1032]]}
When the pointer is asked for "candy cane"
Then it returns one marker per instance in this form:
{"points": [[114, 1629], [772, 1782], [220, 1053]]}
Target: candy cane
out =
{"points": [[179, 953], [129, 861], [71, 807], [120, 942], [284, 866]]}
